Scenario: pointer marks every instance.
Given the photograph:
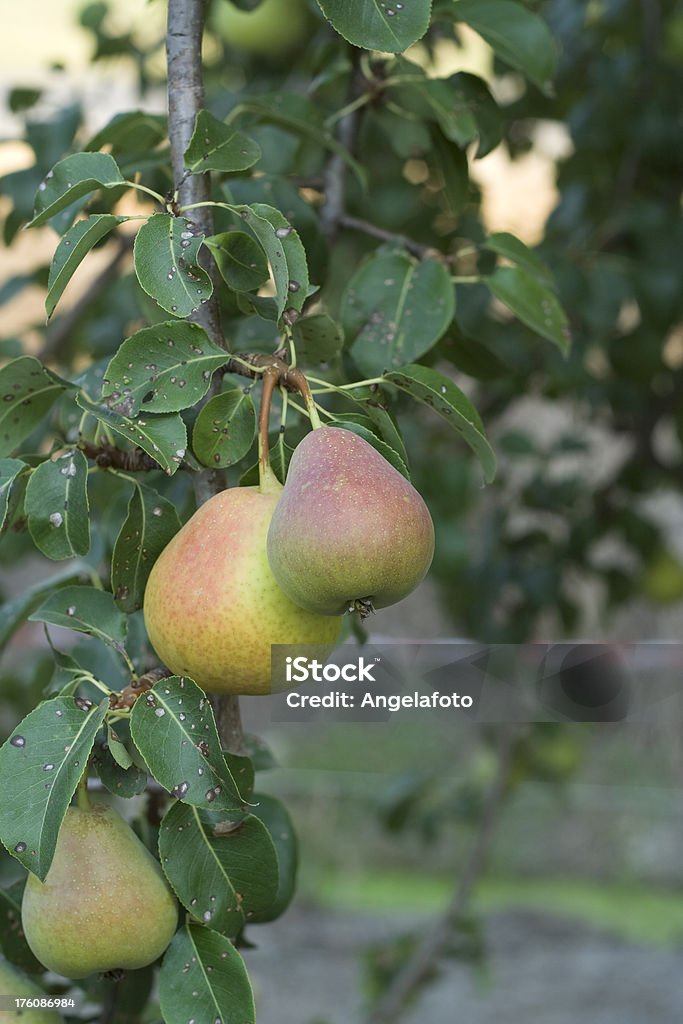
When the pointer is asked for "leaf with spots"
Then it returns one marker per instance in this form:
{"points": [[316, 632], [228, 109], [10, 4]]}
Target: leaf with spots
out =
{"points": [[203, 979], [444, 396], [379, 24], [165, 258], [392, 457], [275, 817], [10, 469], [27, 392], [40, 766], [174, 729], [12, 939], [223, 872], [107, 756], [73, 247], [164, 437], [395, 309], [150, 524], [215, 146], [164, 368], [532, 302], [240, 260], [71, 179], [57, 508], [284, 251], [224, 430], [86, 610], [318, 339]]}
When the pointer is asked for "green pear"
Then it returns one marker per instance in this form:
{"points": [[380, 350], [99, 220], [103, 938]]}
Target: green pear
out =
{"points": [[104, 905], [349, 531], [271, 29], [212, 607], [16, 985]]}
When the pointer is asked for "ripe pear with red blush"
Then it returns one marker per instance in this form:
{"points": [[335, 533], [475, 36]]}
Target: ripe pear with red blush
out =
{"points": [[349, 532], [212, 605]]}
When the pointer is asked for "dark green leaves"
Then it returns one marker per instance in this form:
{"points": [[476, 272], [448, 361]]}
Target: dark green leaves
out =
{"points": [[175, 731], [395, 309], [518, 36], [240, 260], [86, 610], [223, 872], [165, 253], [27, 391], [514, 250], [368, 435], [163, 368], [150, 524], [224, 430], [71, 179], [216, 147], [164, 438], [12, 940], [532, 302], [73, 247], [446, 398], [275, 817], [318, 339], [379, 25], [56, 505], [284, 251], [203, 978], [9, 471], [44, 758]]}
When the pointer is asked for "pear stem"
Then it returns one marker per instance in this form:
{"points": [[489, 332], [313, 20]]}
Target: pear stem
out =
{"points": [[267, 479], [82, 798], [299, 381]]}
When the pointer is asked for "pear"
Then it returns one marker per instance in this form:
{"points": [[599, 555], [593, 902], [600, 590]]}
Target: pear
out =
{"points": [[349, 531], [104, 905], [212, 607], [17, 986]]}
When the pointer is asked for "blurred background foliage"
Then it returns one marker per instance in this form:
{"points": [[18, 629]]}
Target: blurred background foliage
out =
{"points": [[580, 533]]}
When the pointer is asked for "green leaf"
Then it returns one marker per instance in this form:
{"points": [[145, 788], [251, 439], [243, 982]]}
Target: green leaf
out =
{"points": [[318, 339], [164, 438], [224, 430], [275, 817], [73, 247], [86, 610], [165, 257], [150, 524], [388, 453], [57, 508], [379, 25], [40, 766], [532, 302], [135, 131], [486, 111], [395, 309], [14, 613], [443, 100], [284, 251], [27, 391], [203, 978], [123, 782], [222, 871], [448, 164], [446, 399], [164, 368], [514, 250], [174, 729], [12, 939], [216, 147], [518, 36], [72, 178], [240, 260], [9, 471]]}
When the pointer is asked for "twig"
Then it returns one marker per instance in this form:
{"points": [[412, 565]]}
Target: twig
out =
{"points": [[334, 178], [107, 456], [396, 998], [416, 248], [185, 100]]}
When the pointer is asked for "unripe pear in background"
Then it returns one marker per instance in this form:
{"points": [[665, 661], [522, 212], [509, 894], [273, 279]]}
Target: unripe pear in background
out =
{"points": [[272, 29], [212, 605], [663, 578], [349, 530], [104, 905], [14, 985]]}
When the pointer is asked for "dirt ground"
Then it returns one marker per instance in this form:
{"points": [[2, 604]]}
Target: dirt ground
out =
{"points": [[542, 970]]}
